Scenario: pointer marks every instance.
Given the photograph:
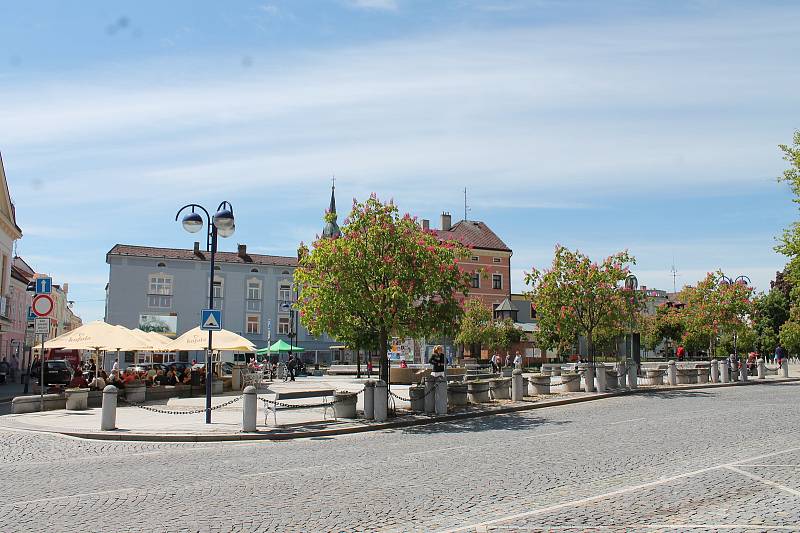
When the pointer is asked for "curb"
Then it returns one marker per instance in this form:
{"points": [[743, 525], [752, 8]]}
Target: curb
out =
{"points": [[419, 420]]}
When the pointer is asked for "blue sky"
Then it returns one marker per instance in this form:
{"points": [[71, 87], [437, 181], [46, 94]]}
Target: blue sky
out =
{"points": [[648, 125]]}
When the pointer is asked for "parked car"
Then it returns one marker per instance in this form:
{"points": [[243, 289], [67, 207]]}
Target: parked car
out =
{"points": [[56, 372]]}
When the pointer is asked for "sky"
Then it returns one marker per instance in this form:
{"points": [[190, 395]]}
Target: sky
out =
{"points": [[642, 125]]}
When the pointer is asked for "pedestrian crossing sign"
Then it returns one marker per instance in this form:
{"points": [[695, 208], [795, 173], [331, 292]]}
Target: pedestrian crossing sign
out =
{"points": [[211, 320]]}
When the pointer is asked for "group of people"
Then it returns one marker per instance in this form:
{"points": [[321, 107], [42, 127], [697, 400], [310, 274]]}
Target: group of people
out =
{"points": [[88, 376], [509, 360], [294, 366], [8, 369]]}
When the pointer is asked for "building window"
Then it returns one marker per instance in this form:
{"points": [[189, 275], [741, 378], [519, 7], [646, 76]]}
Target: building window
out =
{"points": [[497, 281], [159, 291], [285, 292], [283, 325], [474, 258], [496, 260], [476, 280], [219, 287], [253, 324], [254, 295]]}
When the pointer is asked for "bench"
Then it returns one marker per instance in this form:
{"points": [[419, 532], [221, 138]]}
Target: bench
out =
{"points": [[299, 395]]}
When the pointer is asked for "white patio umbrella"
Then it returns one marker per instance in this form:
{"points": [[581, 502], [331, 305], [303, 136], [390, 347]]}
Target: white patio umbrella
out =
{"points": [[197, 339]]}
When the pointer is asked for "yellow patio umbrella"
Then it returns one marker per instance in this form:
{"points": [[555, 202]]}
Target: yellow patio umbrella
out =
{"points": [[197, 339], [160, 340]]}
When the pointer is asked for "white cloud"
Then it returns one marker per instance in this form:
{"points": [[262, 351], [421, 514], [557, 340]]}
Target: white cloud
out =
{"points": [[385, 5]]}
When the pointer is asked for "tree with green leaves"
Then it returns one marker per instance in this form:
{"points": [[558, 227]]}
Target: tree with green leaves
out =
{"points": [[502, 334], [577, 296], [384, 276], [474, 325]]}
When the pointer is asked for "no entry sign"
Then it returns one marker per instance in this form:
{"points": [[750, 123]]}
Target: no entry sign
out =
{"points": [[42, 305]]}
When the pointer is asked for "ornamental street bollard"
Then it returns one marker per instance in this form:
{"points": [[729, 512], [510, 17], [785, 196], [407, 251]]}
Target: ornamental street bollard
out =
{"points": [[430, 395], [441, 395], [633, 378], [725, 371], [743, 373], [714, 371], [588, 378], [785, 367], [108, 418], [601, 378], [762, 370], [517, 385], [381, 400], [369, 400], [249, 409], [622, 372], [672, 373]]}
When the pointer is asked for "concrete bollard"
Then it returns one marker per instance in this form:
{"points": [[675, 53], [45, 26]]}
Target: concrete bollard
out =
{"points": [[588, 378], [381, 401], [600, 378], [517, 386], [249, 409], [725, 371], [714, 371], [108, 418], [743, 373], [369, 400], [430, 395], [622, 380], [441, 395], [633, 378], [762, 369], [672, 373], [785, 367]]}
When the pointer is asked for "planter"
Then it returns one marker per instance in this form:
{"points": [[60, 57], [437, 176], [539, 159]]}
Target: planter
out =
{"points": [[684, 377], [77, 399], [654, 377], [546, 371], [500, 388], [556, 371], [457, 394], [344, 404], [135, 392], [478, 391], [612, 379], [571, 381], [416, 394], [540, 384], [702, 375], [507, 371]]}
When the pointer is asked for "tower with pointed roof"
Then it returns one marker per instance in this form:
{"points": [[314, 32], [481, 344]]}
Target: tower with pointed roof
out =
{"points": [[331, 229]]}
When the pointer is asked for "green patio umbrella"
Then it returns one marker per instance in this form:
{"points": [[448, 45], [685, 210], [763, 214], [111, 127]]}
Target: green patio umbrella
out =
{"points": [[279, 346]]}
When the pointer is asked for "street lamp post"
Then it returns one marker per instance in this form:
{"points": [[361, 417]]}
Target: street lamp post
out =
{"points": [[221, 224]]}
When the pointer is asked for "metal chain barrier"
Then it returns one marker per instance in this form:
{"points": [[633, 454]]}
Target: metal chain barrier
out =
{"points": [[172, 412], [342, 397]]}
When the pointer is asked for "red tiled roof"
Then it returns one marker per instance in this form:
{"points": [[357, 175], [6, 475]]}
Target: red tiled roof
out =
{"points": [[474, 234], [189, 255]]}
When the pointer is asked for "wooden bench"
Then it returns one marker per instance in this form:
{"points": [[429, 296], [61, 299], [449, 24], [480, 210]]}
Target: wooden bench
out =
{"points": [[299, 395]]}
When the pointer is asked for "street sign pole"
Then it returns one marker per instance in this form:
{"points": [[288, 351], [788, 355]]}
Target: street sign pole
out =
{"points": [[41, 377]]}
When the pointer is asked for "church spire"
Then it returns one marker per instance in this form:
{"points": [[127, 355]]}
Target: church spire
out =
{"points": [[331, 230]]}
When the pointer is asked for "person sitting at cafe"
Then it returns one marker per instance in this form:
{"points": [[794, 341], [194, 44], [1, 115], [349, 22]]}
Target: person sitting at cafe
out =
{"points": [[129, 376], [115, 380], [172, 379], [78, 381], [187, 377], [160, 378]]}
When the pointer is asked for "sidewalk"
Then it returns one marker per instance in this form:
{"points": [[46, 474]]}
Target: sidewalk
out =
{"points": [[143, 425]]}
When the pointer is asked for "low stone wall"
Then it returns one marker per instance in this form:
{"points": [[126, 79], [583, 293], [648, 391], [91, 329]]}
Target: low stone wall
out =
{"points": [[32, 404]]}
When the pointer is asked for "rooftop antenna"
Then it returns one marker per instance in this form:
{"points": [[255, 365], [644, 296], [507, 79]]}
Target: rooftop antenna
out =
{"points": [[466, 207], [674, 274]]}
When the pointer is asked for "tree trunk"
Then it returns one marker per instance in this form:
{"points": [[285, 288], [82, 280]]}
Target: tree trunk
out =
{"points": [[383, 357], [590, 346], [358, 364]]}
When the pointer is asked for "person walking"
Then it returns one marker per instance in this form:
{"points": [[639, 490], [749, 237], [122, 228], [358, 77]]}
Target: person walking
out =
{"points": [[495, 360], [437, 362], [780, 355], [14, 367], [291, 364], [681, 354], [517, 361]]}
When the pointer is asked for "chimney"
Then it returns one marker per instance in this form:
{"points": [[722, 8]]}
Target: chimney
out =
{"points": [[446, 221], [242, 252], [426, 224], [197, 251]]}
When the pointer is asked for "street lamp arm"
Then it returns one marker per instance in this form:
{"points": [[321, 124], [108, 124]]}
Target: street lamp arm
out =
{"points": [[223, 205], [194, 206]]}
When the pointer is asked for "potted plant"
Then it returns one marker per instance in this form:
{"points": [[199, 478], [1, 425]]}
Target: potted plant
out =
{"points": [[540, 383], [571, 381], [77, 399]]}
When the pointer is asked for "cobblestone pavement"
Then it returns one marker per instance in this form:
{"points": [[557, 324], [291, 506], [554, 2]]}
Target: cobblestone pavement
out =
{"points": [[713, 460]]}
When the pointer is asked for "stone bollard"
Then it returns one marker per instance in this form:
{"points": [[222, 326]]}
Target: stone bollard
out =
{"points": [[633, 378], [441, 395], [672, 374], [602, 383], [743, 373], [369, 400], [622, 372], [381, 401], [725, 371], [762, 370], [430, 395], [588, 378], [714, 371], [517, 385], [108, 418], [785, 367], [249, 409]]}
